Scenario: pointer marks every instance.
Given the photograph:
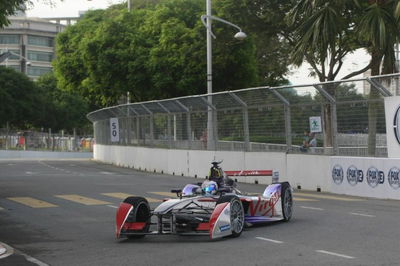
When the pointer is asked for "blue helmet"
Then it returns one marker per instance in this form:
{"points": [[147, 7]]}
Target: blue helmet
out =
{"points": [[209, 187]]}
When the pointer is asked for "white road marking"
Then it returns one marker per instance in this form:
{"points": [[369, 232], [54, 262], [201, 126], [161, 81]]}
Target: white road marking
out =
{"points": [[270, 240], [362, 214], [106, 173], [335, 254], [28, 173], [312, 208], [112, 206]]}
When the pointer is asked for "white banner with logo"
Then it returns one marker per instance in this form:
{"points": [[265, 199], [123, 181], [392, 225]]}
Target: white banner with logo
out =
{"points": [[392, 114], [114, 129], [367, 177]]}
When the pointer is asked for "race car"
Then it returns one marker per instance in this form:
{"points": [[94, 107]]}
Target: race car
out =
{"points": [[204, 209]]}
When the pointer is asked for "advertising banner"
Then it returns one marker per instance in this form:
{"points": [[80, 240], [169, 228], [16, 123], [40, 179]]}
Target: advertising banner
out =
{"points": [[392, 114], [367, 177]]}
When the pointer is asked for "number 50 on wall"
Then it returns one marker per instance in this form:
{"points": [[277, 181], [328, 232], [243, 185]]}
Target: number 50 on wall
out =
{"points": [[114, 129]]}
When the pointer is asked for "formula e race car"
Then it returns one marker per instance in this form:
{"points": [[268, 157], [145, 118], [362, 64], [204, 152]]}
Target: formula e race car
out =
{"points": [[204, 209]]}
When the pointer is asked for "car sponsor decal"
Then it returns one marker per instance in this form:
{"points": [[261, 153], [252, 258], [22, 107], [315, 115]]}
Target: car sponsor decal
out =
{"points": [[264, 206], [225, 228]]}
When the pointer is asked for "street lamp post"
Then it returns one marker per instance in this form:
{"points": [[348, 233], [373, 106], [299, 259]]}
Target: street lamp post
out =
{"points": [[211, 141], [24, 61]]}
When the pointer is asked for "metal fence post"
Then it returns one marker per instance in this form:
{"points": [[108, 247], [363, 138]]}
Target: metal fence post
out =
{"points": [[288, 125], [188, 123], [245, 113], [334, 129], [211, 142], [169, 133], [151, 121]]}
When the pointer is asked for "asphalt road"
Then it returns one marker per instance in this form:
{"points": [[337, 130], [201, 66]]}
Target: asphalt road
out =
{"points": [[62, 213]]}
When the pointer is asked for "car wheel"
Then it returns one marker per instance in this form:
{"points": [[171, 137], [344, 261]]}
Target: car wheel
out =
{"points": [[139, 213], [236, 212], [287, 201]]}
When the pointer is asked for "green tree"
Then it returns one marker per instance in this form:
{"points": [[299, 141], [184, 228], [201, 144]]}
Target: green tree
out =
{"points": [[60, 109], [264, 24], [155, 52], [325, 31], [379, 28], [8, 8], [18, 99]]}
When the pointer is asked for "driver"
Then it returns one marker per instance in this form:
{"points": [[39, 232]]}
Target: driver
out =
{"points": [[217, 175]]}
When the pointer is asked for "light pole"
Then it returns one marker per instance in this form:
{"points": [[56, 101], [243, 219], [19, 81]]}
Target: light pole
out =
{"points": [[211, 143], [5, 55]]}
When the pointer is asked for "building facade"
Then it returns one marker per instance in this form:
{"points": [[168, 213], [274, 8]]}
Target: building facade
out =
{"points": [[32, 44]]}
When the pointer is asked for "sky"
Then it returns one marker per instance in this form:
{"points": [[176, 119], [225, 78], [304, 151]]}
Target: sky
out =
{"points": [[67, 8], [71, 8]]}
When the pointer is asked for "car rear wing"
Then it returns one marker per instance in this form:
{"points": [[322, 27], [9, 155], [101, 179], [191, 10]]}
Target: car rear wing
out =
{"points": [[251, 176]]}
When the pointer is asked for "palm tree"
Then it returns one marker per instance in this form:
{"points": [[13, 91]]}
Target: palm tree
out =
{"points": [[326, 31], [323, 36], [379, 28]]}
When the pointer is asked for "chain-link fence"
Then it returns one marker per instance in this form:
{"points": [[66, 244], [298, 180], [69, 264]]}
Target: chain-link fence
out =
{"points": [[348, 119], [42, 141]]}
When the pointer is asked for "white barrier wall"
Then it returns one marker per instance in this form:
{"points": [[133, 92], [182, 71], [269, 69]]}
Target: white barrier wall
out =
{"points": [[368, 177], [197, 163], [309, 171], [9, 154]]}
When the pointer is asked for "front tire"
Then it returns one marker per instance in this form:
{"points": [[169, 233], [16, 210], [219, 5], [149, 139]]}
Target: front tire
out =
{"points": [[287, 201], [236, 212], [139, 214]]}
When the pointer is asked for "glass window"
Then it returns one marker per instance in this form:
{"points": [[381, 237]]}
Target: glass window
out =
{"points": [[9, 39], [40, 56], [40, 41], [37, 71], [15, 67], [15, 55]]}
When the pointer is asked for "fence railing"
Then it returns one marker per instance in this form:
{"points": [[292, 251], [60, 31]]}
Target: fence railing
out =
{"points": [[32, 140], [259, 119]]}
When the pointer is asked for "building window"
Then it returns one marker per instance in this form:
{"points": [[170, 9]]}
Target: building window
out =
{"points": [[37, 71], [15, 55], [15, 67], [40, 56], [9, 39], [40, 41]]}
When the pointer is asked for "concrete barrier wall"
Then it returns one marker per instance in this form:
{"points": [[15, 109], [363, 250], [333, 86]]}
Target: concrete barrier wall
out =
{"points": [[8, 154], [356, 176], [368, 177], [309, 174]]}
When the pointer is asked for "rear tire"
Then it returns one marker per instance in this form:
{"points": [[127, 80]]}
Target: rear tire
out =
{"points": [[287, 201], [139, 214], [236, 211]]}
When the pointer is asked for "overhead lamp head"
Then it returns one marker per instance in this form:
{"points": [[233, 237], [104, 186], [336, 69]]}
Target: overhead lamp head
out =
{"points": [[240, 36]]}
